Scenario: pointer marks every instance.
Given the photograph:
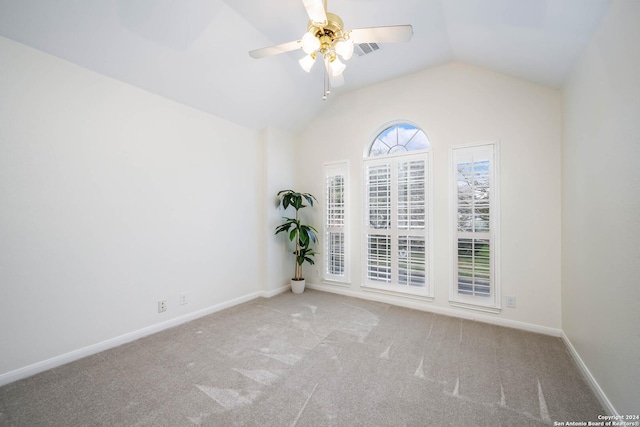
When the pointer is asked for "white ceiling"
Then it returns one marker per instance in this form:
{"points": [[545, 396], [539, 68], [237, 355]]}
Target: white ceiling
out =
{"points": [[195, 51]]}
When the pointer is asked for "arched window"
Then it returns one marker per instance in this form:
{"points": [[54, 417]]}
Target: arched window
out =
{"points": [[399, 138], [397, 209]]}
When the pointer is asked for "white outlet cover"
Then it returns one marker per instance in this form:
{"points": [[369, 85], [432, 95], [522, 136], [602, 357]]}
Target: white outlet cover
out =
{"points": [[162, 306]]}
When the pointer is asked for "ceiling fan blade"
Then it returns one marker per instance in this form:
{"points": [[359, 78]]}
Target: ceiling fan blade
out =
{"points": [[392, 34], [315, 10], [275, 50]]}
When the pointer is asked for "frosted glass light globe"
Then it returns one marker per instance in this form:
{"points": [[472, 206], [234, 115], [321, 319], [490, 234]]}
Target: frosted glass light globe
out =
{"points": [[310, 43]]}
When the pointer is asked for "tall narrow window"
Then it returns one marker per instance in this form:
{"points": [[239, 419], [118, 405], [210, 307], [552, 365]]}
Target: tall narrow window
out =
{"points": [[397, 237], [335, 224], [475, 226]]}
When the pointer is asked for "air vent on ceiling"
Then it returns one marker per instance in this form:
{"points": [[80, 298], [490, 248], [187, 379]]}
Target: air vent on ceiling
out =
{"points": [[365, 48]]}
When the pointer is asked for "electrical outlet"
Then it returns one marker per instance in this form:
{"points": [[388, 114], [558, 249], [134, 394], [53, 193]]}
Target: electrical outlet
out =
{"points": [[183, 298], [511, 301], [162, 306]]}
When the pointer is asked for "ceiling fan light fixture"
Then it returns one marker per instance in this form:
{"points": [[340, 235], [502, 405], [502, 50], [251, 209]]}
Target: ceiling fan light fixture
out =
{"points": [[336, 67], [327, 39], [310, 43], [344, 48], [307, 62]]}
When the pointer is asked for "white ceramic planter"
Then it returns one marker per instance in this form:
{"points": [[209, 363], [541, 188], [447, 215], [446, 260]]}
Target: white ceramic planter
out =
{"points": [[297, 286]]}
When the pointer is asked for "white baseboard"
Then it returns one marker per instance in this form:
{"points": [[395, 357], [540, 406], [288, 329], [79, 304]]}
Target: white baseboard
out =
{"points": [[74, 355], [604, 401], [274, 292], [419, 305]]}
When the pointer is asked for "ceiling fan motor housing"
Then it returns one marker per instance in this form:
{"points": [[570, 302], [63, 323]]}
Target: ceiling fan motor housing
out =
{"points": [[332, 28], [328, 33]]}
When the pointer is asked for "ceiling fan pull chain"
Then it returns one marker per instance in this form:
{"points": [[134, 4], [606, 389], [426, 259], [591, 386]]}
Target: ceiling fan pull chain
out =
{"points": [[325, 79]]}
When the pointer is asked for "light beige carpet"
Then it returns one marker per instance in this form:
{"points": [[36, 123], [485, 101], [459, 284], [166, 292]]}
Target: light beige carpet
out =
{"points": [[313, 359]]}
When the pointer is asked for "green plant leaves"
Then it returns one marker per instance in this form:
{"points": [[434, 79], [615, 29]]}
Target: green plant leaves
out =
{"points": [[292, 198], [303, 235], [305, 254]]}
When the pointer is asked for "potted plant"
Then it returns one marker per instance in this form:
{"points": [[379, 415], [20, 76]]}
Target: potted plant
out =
{"points": [[303, 235]]}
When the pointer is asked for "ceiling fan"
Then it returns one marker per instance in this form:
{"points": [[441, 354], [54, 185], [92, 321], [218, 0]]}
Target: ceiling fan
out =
{"points": [[327, 39]]}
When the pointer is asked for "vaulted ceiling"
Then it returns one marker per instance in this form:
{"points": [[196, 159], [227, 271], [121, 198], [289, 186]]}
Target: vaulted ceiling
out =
{"points": [[195, 51]]}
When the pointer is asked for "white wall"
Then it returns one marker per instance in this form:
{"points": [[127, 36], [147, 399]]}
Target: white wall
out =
{"points": [[601, 208], [458, 104], [279, 175], [112, 199]]}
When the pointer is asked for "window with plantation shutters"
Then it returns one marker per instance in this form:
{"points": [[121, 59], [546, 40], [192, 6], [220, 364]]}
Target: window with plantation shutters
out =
{"points": [[474, 205], [335, 224], [397, 212]]}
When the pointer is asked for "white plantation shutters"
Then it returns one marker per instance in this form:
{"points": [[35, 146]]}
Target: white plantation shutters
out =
{"points": [[396, 223], [412, 221], [379, 222], [379, 258], [379, 196], [411, 194], [474, 196], [335, 226]]}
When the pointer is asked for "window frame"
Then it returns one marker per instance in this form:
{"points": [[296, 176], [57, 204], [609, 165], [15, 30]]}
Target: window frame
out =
{"points": [[394, 288], [492, 303], [329, 170]]}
